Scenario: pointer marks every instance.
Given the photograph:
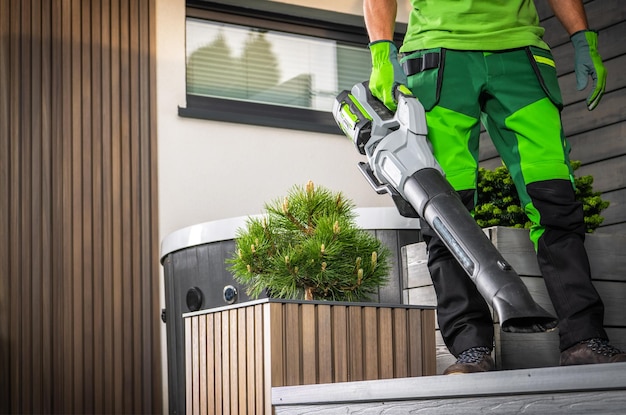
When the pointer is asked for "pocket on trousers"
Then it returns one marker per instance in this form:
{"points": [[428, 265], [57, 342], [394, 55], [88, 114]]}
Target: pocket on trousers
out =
{"points": [[424, 80], [543, 64]]}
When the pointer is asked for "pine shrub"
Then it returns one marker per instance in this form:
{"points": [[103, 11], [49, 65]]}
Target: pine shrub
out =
{"points": [[307, 246], [499, 205]]}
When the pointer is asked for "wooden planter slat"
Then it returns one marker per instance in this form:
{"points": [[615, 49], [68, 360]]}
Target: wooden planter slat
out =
{"points": [[355, 344], [235, 355], [309, 354], [242, 330], [250, 354], [230, 371], [216, 390], [293, 346], [386, 357], [325, 345], [339, 331], [399, 322]]}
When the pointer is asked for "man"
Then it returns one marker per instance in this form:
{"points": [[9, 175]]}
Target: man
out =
{"points": [[473, 61]]}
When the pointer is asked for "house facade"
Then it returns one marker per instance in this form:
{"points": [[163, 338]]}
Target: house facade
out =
{"points": [[102, 156]]}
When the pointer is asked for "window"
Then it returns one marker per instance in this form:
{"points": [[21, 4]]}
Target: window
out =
{"points": [[269, 68]]}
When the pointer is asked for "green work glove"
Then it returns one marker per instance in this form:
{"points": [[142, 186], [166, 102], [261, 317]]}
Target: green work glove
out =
{"points": [[387, 74], [589, 63]]}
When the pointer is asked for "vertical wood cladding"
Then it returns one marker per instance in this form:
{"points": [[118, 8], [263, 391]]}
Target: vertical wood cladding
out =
{"points": [[234, 355], [598, 138], [79, 277]]}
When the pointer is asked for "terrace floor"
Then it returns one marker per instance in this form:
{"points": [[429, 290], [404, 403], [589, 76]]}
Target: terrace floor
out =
{"points": [[589, 389]]}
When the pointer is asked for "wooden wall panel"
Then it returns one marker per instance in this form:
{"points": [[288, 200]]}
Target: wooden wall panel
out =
{"points": [[79, 277], [513, 351], [598, 138]]}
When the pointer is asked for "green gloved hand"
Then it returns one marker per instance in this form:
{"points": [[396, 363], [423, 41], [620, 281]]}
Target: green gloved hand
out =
{"points": [[589, 63], [387, 74]]}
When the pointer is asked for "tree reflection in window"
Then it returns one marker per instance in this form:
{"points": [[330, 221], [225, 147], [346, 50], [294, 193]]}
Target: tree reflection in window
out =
{"points": [[271, 67], [260, 67], [214, 70]]}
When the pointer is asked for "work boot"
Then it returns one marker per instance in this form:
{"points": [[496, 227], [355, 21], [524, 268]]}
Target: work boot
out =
{"points": [[474, 360], [592, 351]]}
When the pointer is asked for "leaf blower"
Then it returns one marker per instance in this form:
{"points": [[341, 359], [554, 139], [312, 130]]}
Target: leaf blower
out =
{"points": [[400, 162]]}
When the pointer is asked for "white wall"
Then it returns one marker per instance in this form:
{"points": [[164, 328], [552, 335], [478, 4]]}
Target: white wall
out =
{"points": [[212, 170], [349, 6]]}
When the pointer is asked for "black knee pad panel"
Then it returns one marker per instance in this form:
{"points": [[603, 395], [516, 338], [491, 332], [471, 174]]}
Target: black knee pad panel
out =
{"points": [[555, 200]]}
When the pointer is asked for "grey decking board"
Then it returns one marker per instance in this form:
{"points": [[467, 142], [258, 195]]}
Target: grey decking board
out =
{"points": [[573, 403], [553, 380]]}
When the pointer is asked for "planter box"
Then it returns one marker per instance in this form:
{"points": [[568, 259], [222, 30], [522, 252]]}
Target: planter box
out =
{"points": [[521, 351], [194, 258], [235, 355]]}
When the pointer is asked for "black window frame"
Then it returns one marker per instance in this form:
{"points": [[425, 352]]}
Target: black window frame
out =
{"points": [[344, 28]]}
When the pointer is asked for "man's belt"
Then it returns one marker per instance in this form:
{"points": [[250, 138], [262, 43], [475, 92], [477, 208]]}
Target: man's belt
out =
{"points": [[416, 65]]}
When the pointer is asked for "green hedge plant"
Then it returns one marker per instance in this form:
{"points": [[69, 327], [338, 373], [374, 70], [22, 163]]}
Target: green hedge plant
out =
{"points": [[308, 246], [499, 205]]}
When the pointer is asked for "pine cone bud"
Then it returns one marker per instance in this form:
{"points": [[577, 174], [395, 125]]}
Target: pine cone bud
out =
{"points": [[339, 201]]}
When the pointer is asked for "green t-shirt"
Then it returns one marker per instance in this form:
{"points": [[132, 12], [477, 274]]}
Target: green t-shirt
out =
{"points": [[473, 25]]}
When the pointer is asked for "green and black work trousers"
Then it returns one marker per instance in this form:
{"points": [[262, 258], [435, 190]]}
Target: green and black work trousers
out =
{"points": [[516, 96]]}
